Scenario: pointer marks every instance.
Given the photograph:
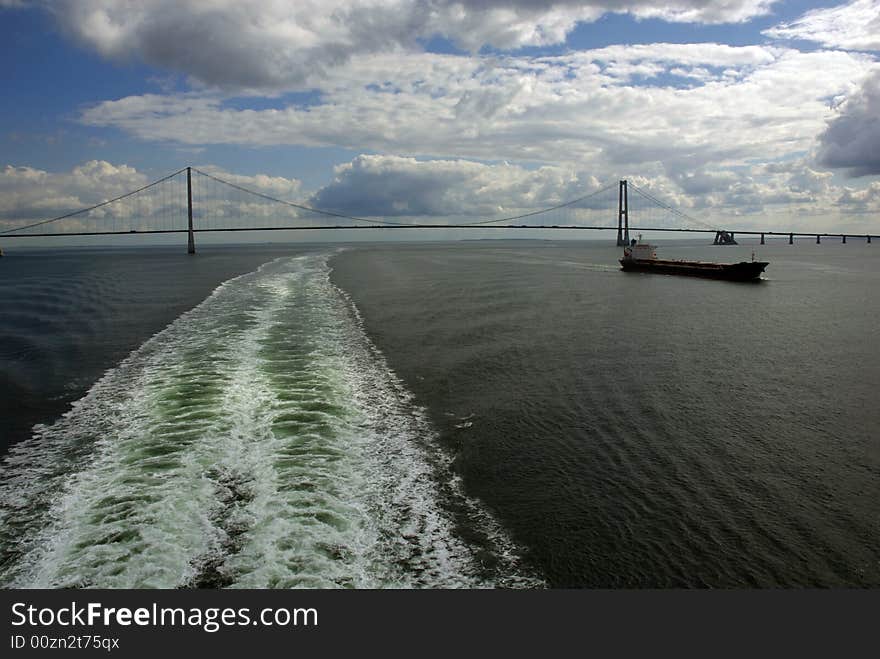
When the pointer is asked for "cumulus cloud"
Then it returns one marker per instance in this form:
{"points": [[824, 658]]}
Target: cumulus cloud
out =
{"points": [[852, 138], [287, 189], [689, 119], [407, 189], [750, 195], [760, 188], [583, 107], [789, 195], [276, 45], [864, 201], [853, 26], [28, 194], [399, 186]]}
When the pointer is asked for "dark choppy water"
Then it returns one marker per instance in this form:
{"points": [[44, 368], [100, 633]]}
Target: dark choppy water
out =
{"points": [[464, 414]]}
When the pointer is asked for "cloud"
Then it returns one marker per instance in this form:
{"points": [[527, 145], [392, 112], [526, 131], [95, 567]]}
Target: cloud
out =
{"points": [[789, 195], [853, 26], [287, 189], [511, 24], [751, 193], [852, 138], [766, 187], [612, 108], [783, 195], [399, 186], [28, 194], [863, 201], [275, 45]]}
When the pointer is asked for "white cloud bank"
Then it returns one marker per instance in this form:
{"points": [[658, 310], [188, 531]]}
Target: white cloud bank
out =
{"points": [[32, 194], [276, 45], [789, 195], [699, 123], [617, 108], [853, 26], [397, 186], [407, 189], [28, 194]]}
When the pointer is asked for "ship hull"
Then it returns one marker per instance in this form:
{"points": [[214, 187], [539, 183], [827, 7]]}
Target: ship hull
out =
{"points": [[743, 271]]}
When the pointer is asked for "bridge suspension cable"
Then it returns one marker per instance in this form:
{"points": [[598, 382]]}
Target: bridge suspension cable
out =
{"points": [[81, 211], [295, 205], [386, 222], [152, 209], [671, 209], [567, 204]]}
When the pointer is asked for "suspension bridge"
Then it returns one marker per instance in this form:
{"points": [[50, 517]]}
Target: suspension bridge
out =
{"points": [[191, 201]]}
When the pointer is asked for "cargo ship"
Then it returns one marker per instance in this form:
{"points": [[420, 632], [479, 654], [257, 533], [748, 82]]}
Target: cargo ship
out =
{"points": [[639, 256]]}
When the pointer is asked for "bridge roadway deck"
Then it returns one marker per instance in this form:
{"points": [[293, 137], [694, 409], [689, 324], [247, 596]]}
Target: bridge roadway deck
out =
{"points": [[632, 229]]}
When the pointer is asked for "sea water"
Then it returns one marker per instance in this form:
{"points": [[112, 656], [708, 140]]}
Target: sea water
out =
{"points": [[464, 414]]}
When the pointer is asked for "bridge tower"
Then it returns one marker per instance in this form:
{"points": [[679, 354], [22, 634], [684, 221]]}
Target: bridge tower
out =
{"points": [[191, 247], [622, 216]]}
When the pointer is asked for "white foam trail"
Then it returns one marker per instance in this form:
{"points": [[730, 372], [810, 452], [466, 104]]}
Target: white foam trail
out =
{"points": [[258, 441]]}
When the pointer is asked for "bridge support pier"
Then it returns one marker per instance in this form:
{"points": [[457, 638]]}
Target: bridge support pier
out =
{"points": [[762, 238], [623, 215], [817, 239], [724, 238], [191, 247], [869, 240], [791, 239], [844, 239]]}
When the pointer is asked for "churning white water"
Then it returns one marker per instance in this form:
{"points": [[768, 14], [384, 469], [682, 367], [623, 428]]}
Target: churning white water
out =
{"points": [[260, 440]]}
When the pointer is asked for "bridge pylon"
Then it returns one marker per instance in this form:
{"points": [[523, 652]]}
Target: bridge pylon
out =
{"points": [[622, 215], [191, 247]]}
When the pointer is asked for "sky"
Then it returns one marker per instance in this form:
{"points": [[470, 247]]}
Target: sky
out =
{"points": [[745, 113]]}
